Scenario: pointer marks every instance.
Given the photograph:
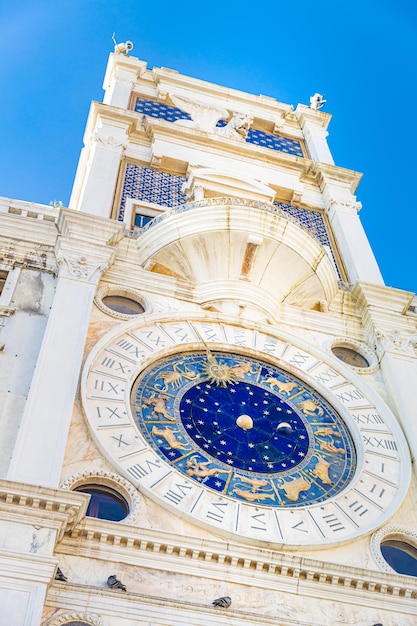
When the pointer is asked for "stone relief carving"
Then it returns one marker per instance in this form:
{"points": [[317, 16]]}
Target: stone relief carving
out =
{"points": [[349, 204], [80, 267], [402, 533], [395, 341], [74, 616], [115, 482], [109, 141], [205, 117], [236, 128]]}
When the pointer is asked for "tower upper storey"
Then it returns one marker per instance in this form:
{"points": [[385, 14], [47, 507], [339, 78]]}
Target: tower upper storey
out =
{"points": [[162, 140]]}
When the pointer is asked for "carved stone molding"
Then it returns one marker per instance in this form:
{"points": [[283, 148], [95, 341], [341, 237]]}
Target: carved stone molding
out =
{"points": [[348, 204], [80, 267], [401, 533], [115, 482], [74, 616], [109, 141], [395, 341], [7, 311], [277, 568], [41, 505]]}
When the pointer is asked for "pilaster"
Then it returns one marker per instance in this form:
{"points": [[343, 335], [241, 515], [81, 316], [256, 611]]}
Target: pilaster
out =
{"points": [[32, 521], [106, 139], [84, 249], [314, 125], [395, 337], [120, 78], [338, 186]]}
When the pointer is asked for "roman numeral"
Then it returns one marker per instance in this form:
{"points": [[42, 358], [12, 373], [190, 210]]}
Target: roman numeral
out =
{"points": [[120, 441], [325, 376], [298, 359], [107, 387], [177, 495], [114, 365], [379, 442], [333, 522], [130, 348], [366, 419], [259, 518], [139, 471], [350, 396], [217, 511]]}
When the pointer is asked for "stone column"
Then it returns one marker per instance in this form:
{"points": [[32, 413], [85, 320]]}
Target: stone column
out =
{"points": [[121, 75], [314, 126], [98, 168], [394, 334], [84, 249], [32, 521], [338, 187]]}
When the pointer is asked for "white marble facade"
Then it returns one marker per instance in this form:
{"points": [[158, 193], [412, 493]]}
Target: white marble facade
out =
{"points": [[230, 268]]}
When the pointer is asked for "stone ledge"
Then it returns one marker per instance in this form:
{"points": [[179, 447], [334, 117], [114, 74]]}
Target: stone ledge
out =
{"points": [[139, 546]]}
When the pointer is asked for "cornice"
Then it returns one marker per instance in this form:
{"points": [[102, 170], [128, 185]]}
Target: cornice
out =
{"points": [[172, 612], [305, 113], [237, 563], [390, 299], [324, 173], [267, 105], [31, 504]]}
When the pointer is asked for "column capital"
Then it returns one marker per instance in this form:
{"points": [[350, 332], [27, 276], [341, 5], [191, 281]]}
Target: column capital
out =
{"points": [[395, 341]]}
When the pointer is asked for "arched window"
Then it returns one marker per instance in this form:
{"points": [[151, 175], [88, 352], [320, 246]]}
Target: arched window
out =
{"points": [[105, 503], [400, 555]]}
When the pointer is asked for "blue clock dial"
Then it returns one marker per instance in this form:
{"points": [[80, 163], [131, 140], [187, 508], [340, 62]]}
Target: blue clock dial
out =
{"points": [[244, 428]]}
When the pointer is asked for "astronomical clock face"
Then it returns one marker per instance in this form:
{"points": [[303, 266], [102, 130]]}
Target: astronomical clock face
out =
{"points": [[245, 433]]}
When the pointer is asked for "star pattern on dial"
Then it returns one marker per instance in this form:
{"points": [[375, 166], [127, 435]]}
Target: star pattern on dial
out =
{"points": [[264, 437]]}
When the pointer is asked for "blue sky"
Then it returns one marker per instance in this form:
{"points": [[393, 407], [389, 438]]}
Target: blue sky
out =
{"points": [[362, 55]]}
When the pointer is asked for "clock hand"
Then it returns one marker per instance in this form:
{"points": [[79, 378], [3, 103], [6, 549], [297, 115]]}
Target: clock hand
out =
{"points": [[218, 372]]}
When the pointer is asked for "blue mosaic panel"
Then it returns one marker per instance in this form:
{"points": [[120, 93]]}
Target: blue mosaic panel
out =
{"points": [[274, 142], [143, 183], [257, 137], [313, 221], [160, 110]]}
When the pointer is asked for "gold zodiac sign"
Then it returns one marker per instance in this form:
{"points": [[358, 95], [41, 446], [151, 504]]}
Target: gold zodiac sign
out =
{"points": [[294, 487], [175, 377], [321, 471], [159, 407], [310, 408], [330, 447], [283, 387], [167, 434], [251, 496], [256, 483], [242, 368], [199, 469], [327, 431]]}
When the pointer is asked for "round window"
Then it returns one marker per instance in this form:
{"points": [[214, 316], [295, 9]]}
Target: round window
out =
{"points": [[122, 304], [350, 356], [401, 556], [105, 503]]}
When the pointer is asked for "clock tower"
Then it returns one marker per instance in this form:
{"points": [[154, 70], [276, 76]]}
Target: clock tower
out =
{"points": [[216, 423]]}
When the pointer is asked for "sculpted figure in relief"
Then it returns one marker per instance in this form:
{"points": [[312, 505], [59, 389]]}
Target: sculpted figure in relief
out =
{"points": [[236, 128], [167, 434]]}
